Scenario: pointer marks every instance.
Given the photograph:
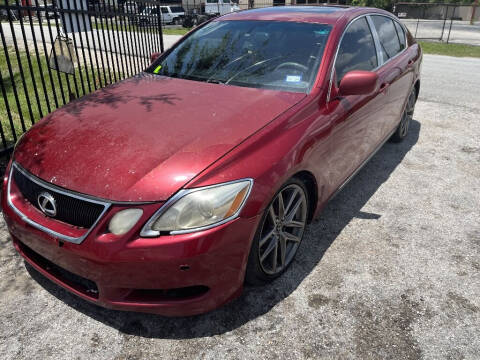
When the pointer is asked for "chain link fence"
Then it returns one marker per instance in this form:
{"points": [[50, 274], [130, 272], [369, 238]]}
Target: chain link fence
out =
{"points": [[441, 22]]}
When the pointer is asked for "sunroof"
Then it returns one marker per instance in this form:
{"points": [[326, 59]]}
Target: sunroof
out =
{"points": [[305, 9]]}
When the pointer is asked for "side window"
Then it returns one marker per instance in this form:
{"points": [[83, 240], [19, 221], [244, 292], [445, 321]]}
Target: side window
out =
{"points": [[164, 10], [389, 42], [357, 50], [401, 35]]}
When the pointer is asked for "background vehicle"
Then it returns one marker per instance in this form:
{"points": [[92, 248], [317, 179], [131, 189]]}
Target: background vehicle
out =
{"points": [[211, 9], [48, 10], [132, 9], [102, 8], [220, 7], [169, 15]]}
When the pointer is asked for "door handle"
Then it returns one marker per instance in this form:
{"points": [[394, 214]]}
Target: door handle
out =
{"points": [[411, 62], [384, 87]]}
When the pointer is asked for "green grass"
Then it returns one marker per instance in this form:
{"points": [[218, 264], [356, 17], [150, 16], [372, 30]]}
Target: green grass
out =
{"points": [[33, 81], [458, 50], [134, 28], [181, 31]]}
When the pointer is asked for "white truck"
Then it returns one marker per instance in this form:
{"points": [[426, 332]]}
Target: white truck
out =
{"points": [[220, 7], [210, 9], [170, 14]]}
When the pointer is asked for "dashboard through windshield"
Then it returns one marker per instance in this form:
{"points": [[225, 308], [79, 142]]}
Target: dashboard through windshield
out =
{"points": [[262, 54]]}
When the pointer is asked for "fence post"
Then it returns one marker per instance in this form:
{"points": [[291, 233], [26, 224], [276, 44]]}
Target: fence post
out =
{"points": [[416, 27], [474, 8], [450, 28], [444, 22], [161, 32]]}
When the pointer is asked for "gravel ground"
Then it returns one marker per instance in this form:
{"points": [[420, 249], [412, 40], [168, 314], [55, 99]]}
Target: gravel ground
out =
{"points": [[390, 270]]}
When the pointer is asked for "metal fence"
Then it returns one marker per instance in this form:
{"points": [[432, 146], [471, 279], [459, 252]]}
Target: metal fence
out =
{"points": [[253, 4], [441, 22], [55, 52]]}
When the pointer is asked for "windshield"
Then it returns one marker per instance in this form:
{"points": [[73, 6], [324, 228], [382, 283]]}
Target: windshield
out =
{"points": [[264, 54]]}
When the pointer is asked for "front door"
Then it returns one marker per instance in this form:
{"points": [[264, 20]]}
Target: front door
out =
{"points": [[355, 117]]}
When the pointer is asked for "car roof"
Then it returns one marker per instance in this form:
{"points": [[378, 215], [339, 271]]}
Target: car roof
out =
{"points": [[325, 14]]}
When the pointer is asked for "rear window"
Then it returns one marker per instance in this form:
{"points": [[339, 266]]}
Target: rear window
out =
{"points": [[401, 35], [263, 54], [389, 42]]}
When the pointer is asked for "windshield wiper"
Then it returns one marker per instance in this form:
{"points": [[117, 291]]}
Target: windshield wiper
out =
{"points": [[193, 77], [258, 63]]}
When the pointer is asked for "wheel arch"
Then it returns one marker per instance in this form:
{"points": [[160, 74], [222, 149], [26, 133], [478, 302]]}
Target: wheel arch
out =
{"points": [[311, 184], [417, 88]]}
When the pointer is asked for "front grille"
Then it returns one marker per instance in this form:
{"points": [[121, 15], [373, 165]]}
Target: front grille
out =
{"points": [[79, 283], [71, 210]]}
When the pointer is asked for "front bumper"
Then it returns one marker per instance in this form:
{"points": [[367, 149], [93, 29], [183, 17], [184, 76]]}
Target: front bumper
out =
{"points": [[172, 275]]}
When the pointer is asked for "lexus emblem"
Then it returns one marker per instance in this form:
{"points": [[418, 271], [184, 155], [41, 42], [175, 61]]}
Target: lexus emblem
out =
{"points": [[47, 204]]}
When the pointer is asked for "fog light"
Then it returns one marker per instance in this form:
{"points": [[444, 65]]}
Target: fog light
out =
{"points": [[124, 220]]}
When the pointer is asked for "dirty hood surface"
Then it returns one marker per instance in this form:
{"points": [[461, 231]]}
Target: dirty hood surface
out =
{"points": [[144, 138]]}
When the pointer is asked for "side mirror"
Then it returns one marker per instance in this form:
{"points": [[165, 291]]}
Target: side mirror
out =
{"points": [[358, 82], [154, 57]]}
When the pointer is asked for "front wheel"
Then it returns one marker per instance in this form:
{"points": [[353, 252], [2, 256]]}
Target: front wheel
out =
{"points": [[402, 129], [279, 234]]}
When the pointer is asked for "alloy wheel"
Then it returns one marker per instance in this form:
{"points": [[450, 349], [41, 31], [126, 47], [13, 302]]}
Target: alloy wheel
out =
{"points": [[282, 229]]}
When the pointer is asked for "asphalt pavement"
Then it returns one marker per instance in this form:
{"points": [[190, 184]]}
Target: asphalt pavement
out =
{"points": [[391, 269]]}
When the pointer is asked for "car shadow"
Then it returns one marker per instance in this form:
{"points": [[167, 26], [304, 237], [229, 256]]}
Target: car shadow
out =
{"points": [[256, 301]]}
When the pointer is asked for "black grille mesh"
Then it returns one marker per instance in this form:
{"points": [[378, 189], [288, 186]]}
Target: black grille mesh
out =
{"points": [[70, 210], [86, 286]]}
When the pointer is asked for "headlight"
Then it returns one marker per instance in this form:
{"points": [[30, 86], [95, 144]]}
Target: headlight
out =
{"points": [[194, 209], [124, 220]]}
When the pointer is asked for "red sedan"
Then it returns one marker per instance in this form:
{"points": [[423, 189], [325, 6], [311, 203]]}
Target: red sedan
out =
{"points": [[167, 191]]}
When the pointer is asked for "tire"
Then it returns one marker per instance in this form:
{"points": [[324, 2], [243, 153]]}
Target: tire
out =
{"points": [[275, 243], [407, 115], [176, 21]]}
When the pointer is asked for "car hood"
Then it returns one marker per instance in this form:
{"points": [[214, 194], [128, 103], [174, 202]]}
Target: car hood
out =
{"points": [[145, 137]]}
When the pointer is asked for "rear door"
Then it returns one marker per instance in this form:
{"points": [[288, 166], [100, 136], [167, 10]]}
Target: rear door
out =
{"points": [[395, 73]]}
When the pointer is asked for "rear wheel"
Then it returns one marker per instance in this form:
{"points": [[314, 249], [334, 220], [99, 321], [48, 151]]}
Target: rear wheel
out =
{"points": [[402, 130], [279, 234]]}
